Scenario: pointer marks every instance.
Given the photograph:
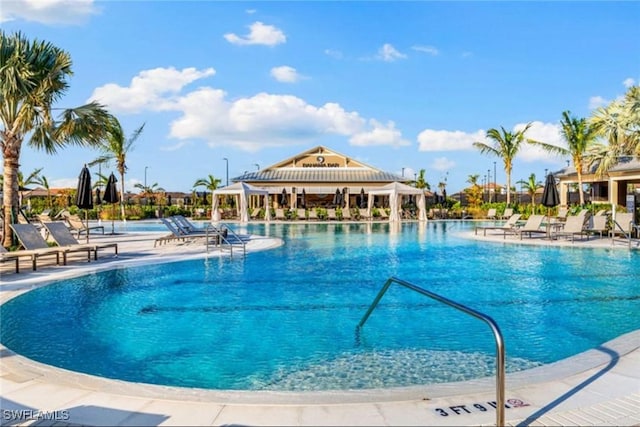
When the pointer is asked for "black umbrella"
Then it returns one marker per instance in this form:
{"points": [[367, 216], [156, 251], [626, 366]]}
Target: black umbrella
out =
{"points": [[303, 199], [363, 203], [111, 192], [111, 196], [98, 200], [337, 197], [283, 197], [84, 199], [550, 197]]}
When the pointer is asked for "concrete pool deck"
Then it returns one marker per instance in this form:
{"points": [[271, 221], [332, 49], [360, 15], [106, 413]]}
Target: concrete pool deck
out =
{"points": [[597, 387]]}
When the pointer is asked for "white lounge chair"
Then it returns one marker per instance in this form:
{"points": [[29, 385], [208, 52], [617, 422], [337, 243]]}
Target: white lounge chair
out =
{"points": [[507, 227]]}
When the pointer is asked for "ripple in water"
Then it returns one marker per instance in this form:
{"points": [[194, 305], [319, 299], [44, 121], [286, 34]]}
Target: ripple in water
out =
{"points": [[380, 369]]}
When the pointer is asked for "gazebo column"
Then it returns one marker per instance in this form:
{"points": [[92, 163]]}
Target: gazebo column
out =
{"points": [[564, 190]]}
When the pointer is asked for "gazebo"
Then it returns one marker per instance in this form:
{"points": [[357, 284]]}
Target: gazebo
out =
{"points": [[395, 191], [242, 191]]}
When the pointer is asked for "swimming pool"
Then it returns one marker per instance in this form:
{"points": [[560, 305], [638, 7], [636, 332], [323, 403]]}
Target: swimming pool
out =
{"points": [[285, 319]]}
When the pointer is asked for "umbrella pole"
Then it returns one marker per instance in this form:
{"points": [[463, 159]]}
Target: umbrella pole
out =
{"points": [[112, 216], [86, 217]]}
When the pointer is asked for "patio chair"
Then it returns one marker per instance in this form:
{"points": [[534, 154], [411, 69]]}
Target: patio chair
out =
{"points": [[331, 214], [508, 212], [31, 240], [574, 224], [623, 224], [255, 213], [598, 224], [76, 224], [63, 238], [346, 214], [6, 256], [313, 214], [280, 214], [532, 225], [383, 213], [492, 213], [507, 227], [363, 213], [301, 214], [182, 235]]}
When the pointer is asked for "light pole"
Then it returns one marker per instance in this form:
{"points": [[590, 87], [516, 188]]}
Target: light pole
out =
{"points": [[403, 172], [489, 184], [227, 161], [145, 177], [495, 183]]}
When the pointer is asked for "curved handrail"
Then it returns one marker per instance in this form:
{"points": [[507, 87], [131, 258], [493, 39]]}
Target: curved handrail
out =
{"points": [[500, 351]]}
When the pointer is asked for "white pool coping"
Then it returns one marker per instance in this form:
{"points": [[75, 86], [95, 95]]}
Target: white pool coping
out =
{"points": [[597, 387]]}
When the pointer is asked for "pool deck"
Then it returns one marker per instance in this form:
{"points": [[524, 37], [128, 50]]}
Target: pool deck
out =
{"points": [[597, 387]]}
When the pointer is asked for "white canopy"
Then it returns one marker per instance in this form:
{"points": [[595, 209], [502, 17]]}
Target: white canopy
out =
{"points": [[243, 191], [395, 191]]}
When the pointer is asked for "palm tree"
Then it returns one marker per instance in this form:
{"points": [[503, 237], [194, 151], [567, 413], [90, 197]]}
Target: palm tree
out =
{"points": [[421, 181], [116, 147], [33, 76], [23, 182], [531, 186], [210, 183], [619, 124], [506, 145], [579, 136], [42, 181]]}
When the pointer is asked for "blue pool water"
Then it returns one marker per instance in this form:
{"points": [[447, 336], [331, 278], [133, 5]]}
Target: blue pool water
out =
{"points": [[285, 319]]}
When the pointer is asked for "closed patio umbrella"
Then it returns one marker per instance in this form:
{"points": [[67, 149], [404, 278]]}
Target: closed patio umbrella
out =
{"points": [[550, 197], [336, 197], [84, 197], [283, 198], [111, 196], [363, 202], [303, 199]]}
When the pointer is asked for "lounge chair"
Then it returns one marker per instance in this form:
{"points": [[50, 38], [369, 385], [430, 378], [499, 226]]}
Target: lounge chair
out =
{"points": [[255, 213], [313, 214], [76, 224], [598, 224], [178, 234], [507, 227], [383, 213], [574, 224], [331, 214], [63, 238], [623, 224], [363, 213], [31, 240], [508, 212], [280, 214], [6, 256], [532, 225], [492, 213], [301, 214], [346, 213]]}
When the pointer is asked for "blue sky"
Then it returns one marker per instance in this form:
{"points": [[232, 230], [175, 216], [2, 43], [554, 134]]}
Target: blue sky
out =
{"points": [[397, 85]]}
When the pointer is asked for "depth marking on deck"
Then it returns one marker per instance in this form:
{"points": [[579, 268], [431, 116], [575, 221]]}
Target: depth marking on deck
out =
{"points": [[471, 408]]}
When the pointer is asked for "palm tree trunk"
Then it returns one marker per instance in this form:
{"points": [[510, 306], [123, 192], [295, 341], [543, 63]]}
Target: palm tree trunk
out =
{"points": [[10, 202], [122, 213]]}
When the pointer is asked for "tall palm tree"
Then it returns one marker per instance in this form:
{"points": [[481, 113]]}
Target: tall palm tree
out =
{"points": [[506, 145], [211, 183], [531, 186], [579, 136], [116, 147], [33, 77]]}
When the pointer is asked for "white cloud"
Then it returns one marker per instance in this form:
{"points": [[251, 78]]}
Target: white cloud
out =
{"points": [[444, 140], [427, 49], [333, 53], [442, 164], [249, 123], [629, 82], [597, 102], [147, 89], [379, 135], [48, 11], [548, 133], [388, 53], [285, 74], [260, 34]]}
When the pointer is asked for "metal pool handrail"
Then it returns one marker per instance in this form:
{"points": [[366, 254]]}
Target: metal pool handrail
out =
{"points": [[216, 232], [500, 351]]}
